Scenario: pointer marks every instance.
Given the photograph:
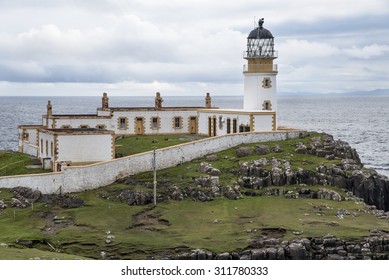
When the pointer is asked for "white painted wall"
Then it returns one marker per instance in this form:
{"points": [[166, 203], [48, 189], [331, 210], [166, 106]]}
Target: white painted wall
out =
{"points": [[166, 121], [255, 94], [45, 138], [74, 179], [30, 149], [76, 122], [29, 146], [263, 123], [84, 148]]}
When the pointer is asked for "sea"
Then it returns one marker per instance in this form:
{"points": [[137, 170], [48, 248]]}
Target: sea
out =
{"points": [[360, 120]]}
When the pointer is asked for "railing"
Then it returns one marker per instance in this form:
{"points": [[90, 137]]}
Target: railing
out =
{"points": [[260, 68], [256, 54]]}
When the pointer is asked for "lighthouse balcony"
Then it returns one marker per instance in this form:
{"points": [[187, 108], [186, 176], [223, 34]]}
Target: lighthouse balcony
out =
{"points": [[258, 53], [260, 68]]}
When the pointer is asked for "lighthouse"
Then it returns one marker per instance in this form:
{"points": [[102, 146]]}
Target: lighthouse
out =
{"points": [[260, 91]]}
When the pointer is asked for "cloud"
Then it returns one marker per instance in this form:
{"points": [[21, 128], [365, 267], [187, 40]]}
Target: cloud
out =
{"points": [[190, 43], [367, 52]]}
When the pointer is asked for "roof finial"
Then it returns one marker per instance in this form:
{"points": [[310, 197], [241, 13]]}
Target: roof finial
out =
{"points": [[260, 22]]}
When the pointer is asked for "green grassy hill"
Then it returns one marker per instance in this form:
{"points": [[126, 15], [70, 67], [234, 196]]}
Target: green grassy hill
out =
{"points": [[105, 226]]}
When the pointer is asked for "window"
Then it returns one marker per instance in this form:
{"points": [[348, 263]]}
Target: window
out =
{"points": [[266, 83], [52, 149], [100, 126], [266, 105], [154, 123], [84, 126], [122, 123], [41, 146], [177, 122], [66, 126], [228, 126], [47, 148]]}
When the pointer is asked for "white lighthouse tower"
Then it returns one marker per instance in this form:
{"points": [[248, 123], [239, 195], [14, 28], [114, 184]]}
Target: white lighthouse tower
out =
{"points": [[260, 91]]}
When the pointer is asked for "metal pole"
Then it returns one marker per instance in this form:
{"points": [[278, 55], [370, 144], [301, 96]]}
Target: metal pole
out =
{"points": [[155, 177]]}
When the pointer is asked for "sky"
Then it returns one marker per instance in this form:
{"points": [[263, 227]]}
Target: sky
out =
{"points": [[177, 47]]}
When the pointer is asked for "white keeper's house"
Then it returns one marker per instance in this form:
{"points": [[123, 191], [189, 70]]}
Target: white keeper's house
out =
{"points": [[84, 139]]}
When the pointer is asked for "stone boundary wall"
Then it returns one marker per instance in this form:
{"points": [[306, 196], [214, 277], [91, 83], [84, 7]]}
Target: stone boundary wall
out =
{"points": [[80, 178]]}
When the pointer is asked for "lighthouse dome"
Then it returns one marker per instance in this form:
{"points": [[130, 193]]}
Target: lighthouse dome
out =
{"points": [[260, 32]]}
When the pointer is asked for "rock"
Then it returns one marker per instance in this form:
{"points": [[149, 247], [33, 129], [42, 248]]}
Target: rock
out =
{"points": [[296, 251], [244, 151], [262, 149], [177, 194], [17, 203], [134, 197], [224, 256], [26, 194], [231, 193], [207, 168], [208, 181], [324, 193], [301, 149], [2, 205], [277, 148]]}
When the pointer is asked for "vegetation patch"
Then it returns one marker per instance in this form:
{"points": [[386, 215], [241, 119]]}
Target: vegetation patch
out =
{"points": [[15, 163], [130, 145]]}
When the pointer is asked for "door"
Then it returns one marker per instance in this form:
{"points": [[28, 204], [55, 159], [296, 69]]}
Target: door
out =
{"points": [[193, 125], [139, 126]]}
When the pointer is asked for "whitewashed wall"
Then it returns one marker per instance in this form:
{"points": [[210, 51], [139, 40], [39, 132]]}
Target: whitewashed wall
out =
{"points": [[263, 122], [84, 148], [74, 179], [166, 121], [42, 151], [30, 149], [77, 122], [255, 94]]}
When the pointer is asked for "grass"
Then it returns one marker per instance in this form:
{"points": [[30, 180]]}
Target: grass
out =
{"points": [[15, 163], [7, 253], [220, 225], [130, 145]]}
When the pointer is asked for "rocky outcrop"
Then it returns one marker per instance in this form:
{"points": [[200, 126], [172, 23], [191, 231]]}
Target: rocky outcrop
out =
{"points": [[24, 197], [350, 175], [324, 248], [132, 197]]}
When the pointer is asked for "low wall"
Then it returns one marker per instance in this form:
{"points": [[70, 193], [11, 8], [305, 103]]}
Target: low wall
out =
{"points": [[79, 178], [30, 149]]}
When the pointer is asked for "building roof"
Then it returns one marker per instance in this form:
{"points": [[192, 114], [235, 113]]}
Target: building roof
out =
{"points": [[153, 108], [260, 33], [76, 131]]}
